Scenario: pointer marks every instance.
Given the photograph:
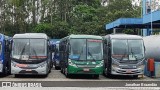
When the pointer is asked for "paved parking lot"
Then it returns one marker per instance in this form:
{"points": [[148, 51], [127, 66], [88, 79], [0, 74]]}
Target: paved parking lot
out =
{"points": [[56, 75], [56, 80]]}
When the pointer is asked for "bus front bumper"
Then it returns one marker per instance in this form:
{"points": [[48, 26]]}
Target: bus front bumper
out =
{"points": [[80, 70], [39, 70], [119, 71]]}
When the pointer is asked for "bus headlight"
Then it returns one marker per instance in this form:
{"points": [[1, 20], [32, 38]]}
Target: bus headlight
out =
{"points": [[100, 64], [42, 64], [71, 64], [13, 64], [114, 66], [141, 67]]}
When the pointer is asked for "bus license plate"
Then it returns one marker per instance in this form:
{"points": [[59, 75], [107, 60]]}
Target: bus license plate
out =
{"points": [[21, 65], [86, 69], [129, 71], [28, 70]]}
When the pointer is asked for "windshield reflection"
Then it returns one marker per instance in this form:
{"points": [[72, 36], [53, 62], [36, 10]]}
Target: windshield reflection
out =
{"points": [[29, 48], [86, 49], [127, 49]]}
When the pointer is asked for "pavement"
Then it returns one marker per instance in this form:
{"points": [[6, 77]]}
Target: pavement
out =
{"points": [[57, 81]]}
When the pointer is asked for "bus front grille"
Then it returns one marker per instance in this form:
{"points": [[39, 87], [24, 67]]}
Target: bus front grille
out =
{"points": [[28, 72]]}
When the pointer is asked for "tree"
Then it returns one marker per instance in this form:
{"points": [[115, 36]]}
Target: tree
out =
{"points": [[59, 18]]}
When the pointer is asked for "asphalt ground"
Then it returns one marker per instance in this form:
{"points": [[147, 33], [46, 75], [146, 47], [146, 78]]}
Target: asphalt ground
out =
{"points": [[56, 80]]}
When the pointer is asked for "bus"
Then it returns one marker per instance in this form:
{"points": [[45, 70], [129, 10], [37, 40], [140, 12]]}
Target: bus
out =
{"points": [[5, 54], [81, 54], [124, 55], [56, 58], [31, 54]]}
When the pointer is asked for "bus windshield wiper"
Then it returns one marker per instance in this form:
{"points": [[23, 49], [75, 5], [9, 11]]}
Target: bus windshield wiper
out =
{"points": [[134, 55], [22, 51], [80, 53], [35, 53], [123, 55], [89, 53]]}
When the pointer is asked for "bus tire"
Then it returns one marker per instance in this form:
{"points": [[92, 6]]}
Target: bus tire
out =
{"points": [[96, 76], [49, 70], [9, 71], [61, 70], [135, 76], [107, 74], [5, 71], [9, 68], [43, 75], [52, 65], [57, 68], [66, 73], [16, 75]]}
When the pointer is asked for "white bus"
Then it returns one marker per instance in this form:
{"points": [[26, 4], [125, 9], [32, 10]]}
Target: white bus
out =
{"points": [[124, 55], [31, 54]]}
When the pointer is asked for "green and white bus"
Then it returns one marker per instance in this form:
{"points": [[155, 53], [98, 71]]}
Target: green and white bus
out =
{"points": [[81, 54]]}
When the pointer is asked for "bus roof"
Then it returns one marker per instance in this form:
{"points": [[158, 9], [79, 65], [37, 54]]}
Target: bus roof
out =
{"points": [[85, 36], [31, 35], [123, 36]]}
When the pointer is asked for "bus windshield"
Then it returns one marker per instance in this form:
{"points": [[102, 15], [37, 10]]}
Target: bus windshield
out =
{"points": [[29, 48], [95, 49], [86, 49], [127, 49]]}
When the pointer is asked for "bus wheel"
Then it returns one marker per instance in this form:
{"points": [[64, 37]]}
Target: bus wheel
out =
{"points": [[66, 73], [106, 73], [96, 76], [61, 70], [49, 70], [135, 76], [56, 67], [16, 75], [45, 75], [9, 71], [5, 71]]}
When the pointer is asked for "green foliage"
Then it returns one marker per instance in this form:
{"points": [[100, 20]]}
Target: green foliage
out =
{"points": [[57, 30], [59, 18]]}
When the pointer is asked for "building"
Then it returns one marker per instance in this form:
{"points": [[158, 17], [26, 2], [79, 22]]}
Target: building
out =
{"points": [[149, 22]]}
